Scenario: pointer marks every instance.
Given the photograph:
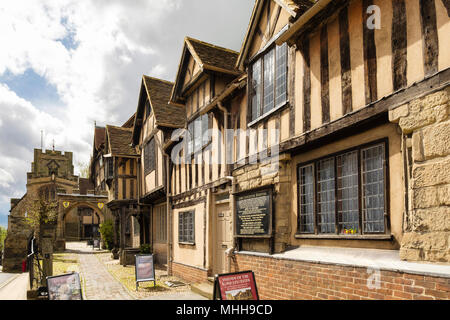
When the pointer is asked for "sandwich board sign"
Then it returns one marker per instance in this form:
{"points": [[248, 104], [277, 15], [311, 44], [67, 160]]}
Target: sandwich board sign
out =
{"points": [[144, 269], [64, 287], [235, 286], [96, 244]]}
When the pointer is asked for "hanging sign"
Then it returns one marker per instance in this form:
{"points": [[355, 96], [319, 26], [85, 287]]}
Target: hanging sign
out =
{"points": [[144, 269], [254, 213], [100, 205], [64, 287], [235, 286], [66, 204]]}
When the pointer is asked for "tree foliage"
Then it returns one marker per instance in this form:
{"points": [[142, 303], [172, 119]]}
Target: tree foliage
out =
{"points": [[107, 231], [41, 211], [2, 238]]}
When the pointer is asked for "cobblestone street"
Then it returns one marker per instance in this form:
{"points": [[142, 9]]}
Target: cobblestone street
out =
{"points": [[99, 284]]}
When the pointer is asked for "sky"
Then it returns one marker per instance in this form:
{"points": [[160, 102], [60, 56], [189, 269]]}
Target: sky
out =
{"points": [[66, 64]]}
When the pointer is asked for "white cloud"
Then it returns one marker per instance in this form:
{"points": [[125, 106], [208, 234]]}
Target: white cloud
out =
{"points": [[97, 79]]}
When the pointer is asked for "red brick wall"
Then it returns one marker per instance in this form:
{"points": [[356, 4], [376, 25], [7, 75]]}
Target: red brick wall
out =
{"points": [[294, 280], [189, 274]]}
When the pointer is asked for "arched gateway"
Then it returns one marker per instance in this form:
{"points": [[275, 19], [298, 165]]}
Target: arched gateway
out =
{"points": [[79, 216]]}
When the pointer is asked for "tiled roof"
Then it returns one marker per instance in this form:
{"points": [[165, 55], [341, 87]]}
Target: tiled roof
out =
{"points": [[99, 137], [120, 140], [214, 56], [159, 92]]}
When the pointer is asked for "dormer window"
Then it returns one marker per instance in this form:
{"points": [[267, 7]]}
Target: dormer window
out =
{"points": [[268, 82]]}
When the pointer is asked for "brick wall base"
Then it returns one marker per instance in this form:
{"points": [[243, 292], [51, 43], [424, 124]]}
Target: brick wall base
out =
{"points": [[279, 279], [188, 273]]}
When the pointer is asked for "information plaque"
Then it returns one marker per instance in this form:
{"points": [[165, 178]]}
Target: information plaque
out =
{"points": [[254, 213], [64, 287], [144, 269], [235, 286]]}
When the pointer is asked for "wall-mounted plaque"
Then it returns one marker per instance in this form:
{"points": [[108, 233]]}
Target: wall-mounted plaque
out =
{"points": [[144, 268], [253, 212], [235, 286], [64, 287]]}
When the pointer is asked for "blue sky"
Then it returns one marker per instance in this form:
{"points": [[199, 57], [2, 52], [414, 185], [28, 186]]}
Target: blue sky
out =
{"points": [[69, 63]]}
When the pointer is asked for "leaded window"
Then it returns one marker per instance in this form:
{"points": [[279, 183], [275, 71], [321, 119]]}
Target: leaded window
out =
{"points": [[150, 156], [341, 193], [186, 232], [268, 89]]}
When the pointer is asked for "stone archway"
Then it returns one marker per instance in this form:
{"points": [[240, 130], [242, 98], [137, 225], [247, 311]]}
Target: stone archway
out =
{"points": [[67, 203], [97, 217]]}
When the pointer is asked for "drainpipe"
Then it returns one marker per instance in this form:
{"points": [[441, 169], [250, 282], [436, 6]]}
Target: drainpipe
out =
{"points": [[169, 214], [231, 251]]}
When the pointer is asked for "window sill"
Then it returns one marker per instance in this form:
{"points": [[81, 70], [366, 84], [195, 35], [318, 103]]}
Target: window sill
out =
{"points": [[345, 237], [267, 114], [187, 243]]}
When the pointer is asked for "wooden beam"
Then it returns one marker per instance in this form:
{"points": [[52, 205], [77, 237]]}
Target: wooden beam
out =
{"points": [[346, 70], [399, 45], [370, 56], [324, 74], [430, 36], [304, 48]]}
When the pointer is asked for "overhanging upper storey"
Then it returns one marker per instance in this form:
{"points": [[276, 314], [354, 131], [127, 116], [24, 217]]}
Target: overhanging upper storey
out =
{"points": [[197, 61]]}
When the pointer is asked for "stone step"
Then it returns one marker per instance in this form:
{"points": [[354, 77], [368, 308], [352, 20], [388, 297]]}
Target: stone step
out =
{"points": [[211, 279], [204, 289]]}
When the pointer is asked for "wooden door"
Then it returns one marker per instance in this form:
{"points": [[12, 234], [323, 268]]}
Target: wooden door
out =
{"points": [[223, 237]]}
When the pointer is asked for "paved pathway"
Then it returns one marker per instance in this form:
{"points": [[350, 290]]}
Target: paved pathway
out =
{"points": [[99, 283], [13, 286]]}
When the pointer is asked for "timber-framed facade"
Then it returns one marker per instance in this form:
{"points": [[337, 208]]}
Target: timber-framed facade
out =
{"points": [[339, 140]]}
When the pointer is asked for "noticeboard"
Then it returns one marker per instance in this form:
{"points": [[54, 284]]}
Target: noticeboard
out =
{"points": [[64, 287], [253, 212], [144, 269], [235, 286]]}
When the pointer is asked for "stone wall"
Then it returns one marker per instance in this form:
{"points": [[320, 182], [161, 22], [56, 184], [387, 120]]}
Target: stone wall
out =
{"points": [[425, 125], [16, 244], [268, 173]]}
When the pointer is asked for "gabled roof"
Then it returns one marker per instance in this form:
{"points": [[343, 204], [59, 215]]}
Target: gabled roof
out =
{"points": [[119, 141], [129, 123], [213, 57], [208, 57], [295, 9], [167, 115]]}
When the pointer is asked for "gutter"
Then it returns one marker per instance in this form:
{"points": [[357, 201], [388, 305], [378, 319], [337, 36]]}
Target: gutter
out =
{"points": [[302, 21]]}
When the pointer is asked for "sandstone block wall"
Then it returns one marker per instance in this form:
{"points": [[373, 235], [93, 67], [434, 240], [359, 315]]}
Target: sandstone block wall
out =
{"points": [[425, 123], [267, 173]]}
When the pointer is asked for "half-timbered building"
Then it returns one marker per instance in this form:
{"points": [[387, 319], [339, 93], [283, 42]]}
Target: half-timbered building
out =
{"points": [[354, 93], [154, 121]]}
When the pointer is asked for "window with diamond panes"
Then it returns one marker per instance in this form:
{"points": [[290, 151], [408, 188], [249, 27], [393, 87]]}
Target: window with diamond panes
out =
{"points": [[306, 192], [344, 194], [373, 200], [186, 227]]}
